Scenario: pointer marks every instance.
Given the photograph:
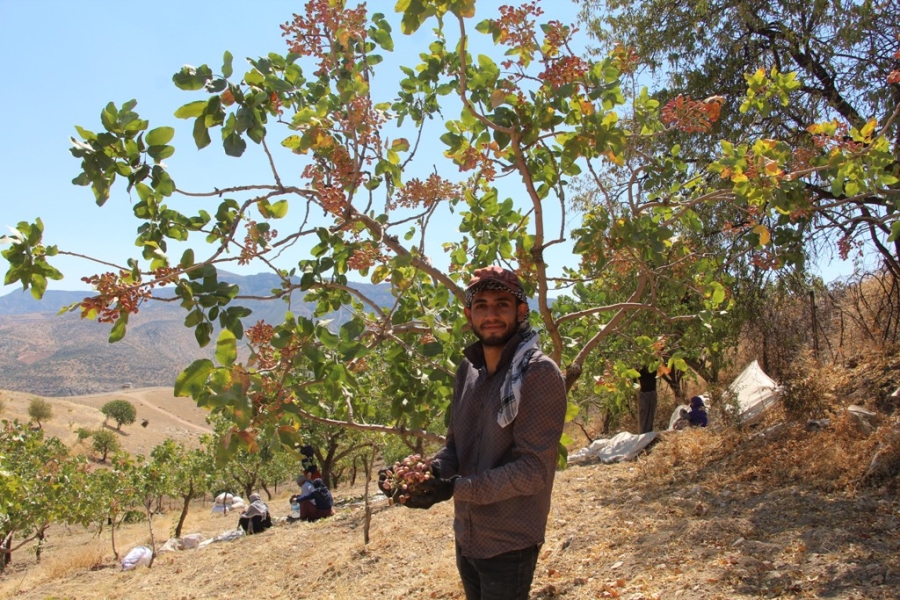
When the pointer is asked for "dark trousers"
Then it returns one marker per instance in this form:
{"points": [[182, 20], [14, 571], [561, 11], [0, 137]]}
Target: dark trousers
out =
{"points": [[309, 511], [646, 411], [255, 524], [506, 576]]}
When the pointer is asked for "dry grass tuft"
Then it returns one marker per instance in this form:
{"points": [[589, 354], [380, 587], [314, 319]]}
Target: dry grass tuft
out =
{"points": [[88, 557], [684, 454], [805, 391]]}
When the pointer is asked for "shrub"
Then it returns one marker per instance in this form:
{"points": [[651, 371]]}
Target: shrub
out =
{"points": [[105, 441], [804, 394]]}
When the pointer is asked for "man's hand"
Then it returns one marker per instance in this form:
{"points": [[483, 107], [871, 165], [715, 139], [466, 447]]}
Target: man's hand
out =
{"points": [[431, 492], [383, 474]]}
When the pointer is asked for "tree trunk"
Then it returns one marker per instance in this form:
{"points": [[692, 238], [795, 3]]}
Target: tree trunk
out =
{"points": [[184, 510], [5, 552], [148, 504], [368, 460], [112, 537]]}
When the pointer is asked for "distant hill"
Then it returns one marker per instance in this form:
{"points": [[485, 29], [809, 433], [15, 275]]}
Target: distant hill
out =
{"points": [[48, 354]]}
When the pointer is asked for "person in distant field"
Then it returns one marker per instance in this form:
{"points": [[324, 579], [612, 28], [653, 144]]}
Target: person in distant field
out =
{"points": [[256, 518], [697, 415], [308, 463], [306, 488], [315, 504], [501, 451]]}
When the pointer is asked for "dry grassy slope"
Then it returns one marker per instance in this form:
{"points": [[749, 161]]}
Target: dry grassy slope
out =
{"points": [[778, 512], [167, 417], [616, 531]]}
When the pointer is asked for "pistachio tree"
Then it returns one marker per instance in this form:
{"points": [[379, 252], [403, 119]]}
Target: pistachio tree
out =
{"points": [[355, 193], [189, 474], [37, 478]]}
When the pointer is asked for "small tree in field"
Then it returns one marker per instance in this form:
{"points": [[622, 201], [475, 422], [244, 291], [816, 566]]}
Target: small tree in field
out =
{"points": [[39, 410], [105, 442], [122, 411]]}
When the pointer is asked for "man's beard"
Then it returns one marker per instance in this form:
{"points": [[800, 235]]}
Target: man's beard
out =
{"points": [[497, 339]]}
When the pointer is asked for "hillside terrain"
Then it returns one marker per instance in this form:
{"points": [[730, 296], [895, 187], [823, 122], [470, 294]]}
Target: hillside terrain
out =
{"points": [[783, 510], [166, 416], [48, 354]]}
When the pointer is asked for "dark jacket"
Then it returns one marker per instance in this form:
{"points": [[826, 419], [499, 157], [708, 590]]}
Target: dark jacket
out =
{"points": [[321, 496], [697, 417], [502, 498]]}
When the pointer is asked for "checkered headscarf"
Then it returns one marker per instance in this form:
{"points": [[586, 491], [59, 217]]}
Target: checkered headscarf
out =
{"points": [[495, 278]]}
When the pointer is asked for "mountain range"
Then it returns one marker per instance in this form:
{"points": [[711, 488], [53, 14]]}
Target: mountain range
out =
{"points": [[50, 354]]}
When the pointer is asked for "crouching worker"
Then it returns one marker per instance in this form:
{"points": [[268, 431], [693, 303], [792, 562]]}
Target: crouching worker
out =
{"points": [[306, 488], [315, 504], [256, 518], [697, 417]]}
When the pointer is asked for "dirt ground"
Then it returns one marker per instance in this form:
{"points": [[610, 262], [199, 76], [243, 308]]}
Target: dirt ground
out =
{"points": [[783, 510], [630, 530]]}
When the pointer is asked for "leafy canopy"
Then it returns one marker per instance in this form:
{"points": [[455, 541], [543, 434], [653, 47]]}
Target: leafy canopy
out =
{"points": [[355, 193]]}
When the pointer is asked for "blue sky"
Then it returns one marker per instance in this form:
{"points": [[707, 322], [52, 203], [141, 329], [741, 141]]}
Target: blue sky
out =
{"points": [[66, 60]]}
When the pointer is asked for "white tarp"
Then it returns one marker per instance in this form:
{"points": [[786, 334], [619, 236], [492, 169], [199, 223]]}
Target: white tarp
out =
{"points": [[622, 446], [755, 392], [139, 556], [676, 414]]}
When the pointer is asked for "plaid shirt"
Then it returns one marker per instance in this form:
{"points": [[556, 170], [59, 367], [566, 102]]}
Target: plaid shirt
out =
{"points": [[502, 498]]}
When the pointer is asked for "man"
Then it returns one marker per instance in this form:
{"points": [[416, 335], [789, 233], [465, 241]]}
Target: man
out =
{"points": [[308, 463], [499, 461]]}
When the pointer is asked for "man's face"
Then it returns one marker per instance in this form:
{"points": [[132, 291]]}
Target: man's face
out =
{"points": [[494, 316]]}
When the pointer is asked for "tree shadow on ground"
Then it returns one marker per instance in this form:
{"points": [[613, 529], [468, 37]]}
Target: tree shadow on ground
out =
{"points": [[116, 430]]}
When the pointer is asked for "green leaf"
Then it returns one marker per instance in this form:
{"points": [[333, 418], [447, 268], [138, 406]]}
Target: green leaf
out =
{"points": [[226, 348], [159, 136], [895, 231], [273, 211], [187, 259], [227, 68], [432, 349], [191, 109], [201, 133], [192, 380], [234, 145], [380, 273], [118, 329], [160, 153], [203, 334], [192, 78], [572, 411]]}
